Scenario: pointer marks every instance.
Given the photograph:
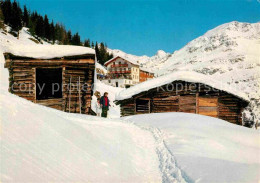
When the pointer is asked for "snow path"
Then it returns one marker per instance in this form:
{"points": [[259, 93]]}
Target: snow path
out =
{"points": [[171, 173], [205, 149]]}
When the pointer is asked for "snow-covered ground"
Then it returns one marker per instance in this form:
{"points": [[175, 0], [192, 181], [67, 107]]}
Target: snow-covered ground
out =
{"points": [[206, 149], [40, 144]]}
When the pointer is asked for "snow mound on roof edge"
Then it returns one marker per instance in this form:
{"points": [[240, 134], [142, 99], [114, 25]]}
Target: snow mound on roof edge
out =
{"points": [[26, 47], [183, 76], [49, 51]]}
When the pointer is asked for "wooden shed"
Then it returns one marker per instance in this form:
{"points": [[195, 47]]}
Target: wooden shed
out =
{"points": [[60, 82], [184, 92]]}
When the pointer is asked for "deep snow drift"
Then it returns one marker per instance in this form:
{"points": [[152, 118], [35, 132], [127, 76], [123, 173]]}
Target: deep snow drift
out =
{"points": [[206, 149], [40, 144]]}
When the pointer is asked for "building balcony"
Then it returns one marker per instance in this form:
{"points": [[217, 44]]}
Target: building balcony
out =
{"points": [[120, 65], [119, 72]]}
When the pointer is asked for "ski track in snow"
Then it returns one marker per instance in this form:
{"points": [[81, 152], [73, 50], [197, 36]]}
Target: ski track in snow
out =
{"points": [[170, 171]]}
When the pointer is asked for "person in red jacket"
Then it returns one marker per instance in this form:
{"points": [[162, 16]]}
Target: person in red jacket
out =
{"points": [[104, 102]]}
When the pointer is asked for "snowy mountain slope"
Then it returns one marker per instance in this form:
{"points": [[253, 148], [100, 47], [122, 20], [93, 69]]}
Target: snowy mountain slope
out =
{"points": [[160, 56], [232, 44], [206, 149], [24, 37], [229, 52]]}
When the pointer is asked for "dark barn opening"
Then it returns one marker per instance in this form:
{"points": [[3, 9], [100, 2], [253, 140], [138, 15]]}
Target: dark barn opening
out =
{"points": [[143, 106], [48, 83]]}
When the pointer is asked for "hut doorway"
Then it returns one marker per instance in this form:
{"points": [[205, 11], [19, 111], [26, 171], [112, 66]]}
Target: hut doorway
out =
{"points": [[48, 83], [142, 106]]}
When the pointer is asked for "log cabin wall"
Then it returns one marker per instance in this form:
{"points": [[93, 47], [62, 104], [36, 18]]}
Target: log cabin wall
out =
{"points": [[75, 70], [186, 97]]}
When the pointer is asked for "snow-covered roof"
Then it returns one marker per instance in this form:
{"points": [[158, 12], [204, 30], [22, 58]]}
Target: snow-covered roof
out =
{"points": [[49, 51], [187, 76], [127, 59]]}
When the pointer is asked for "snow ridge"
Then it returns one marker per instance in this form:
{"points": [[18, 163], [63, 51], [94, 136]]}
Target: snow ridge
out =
{"points": [[171, 173]]}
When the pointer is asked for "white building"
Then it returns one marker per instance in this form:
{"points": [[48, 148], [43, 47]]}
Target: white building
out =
{"points": [[121, 72]]}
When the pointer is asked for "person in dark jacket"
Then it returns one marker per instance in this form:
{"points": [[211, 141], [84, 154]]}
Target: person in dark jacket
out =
{"points": [[104, 103]]}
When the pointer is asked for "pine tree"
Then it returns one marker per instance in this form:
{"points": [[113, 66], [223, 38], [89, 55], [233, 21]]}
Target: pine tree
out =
{"points": [[46, 28], [16, 18], [7, 10], [52, 32], [87, 43], [69, 35], [32, 23], [1, 19], [39, 27], [76, 39], [25, 17], [97, 51], [92, 45], [58, 36]]}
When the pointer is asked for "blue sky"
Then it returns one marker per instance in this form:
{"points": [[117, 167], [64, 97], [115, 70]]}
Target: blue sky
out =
{"points": [[143, 27]]}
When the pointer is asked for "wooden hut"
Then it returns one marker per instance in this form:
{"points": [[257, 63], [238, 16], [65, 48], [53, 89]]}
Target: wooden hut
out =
{"points": [[184, 92], [59, 77]]}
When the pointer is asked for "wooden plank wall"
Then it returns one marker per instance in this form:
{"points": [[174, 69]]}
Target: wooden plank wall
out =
{"points": [[22, 74], [128, 108], [78, 92], [21, 81], [230, 108], [168, 104]]}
